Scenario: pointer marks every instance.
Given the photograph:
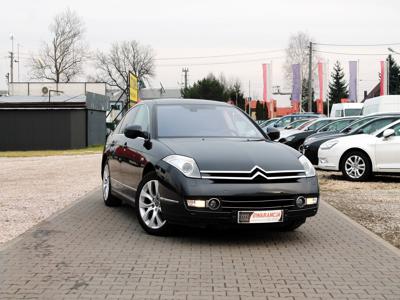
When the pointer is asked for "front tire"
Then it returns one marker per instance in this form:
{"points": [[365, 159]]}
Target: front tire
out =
{"points": [[148, 208], [108, 197], [356, 166]]}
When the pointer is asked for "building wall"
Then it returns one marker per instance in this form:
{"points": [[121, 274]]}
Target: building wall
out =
{"points": [[33, 129], [96, 127]]}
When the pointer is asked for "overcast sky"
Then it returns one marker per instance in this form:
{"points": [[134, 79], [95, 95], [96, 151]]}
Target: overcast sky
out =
{"points": [[178, 28]]}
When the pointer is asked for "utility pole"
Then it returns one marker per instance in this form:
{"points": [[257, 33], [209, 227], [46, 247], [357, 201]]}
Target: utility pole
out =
{"points": [[310, 79], [17, 61], [12, 59], [185, 71]]}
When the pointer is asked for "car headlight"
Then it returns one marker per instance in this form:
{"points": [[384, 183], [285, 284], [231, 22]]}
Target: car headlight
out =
{"points": [[184, 164], [290, 138], [307, 165], [329, 144]]}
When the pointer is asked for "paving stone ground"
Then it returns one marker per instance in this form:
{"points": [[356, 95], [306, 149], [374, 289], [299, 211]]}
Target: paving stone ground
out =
{"points": [[93, 251]]}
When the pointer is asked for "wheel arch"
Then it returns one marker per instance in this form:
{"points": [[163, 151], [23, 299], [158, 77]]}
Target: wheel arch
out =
{"points": [[148, 168], [355, 149]]}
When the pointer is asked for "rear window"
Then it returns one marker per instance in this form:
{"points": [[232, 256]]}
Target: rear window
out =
{"points": [[353, 111]]}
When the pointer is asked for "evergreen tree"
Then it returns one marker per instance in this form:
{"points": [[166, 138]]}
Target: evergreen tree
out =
{"points": [[236, 95], [338, 86], [304, 96], [394, 76]]}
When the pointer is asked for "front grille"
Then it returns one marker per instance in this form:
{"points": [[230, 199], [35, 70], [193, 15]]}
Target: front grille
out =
{"points": [[254, 202], [255, 175]]}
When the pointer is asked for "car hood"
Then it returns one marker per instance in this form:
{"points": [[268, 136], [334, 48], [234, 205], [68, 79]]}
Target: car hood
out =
{"points": [[287, 132], [321, 139], [236, 154]]}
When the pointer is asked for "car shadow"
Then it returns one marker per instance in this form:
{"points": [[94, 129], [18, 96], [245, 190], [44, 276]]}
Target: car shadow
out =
{"points": [[222, 236], [374, 178]]}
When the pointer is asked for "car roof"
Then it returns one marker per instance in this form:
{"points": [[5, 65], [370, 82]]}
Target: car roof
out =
{"points": [[175, 101]]}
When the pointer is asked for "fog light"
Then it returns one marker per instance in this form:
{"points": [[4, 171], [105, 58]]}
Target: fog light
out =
{"points": [[213, 203], [300, 202], [323, 161], [196, 203], [311, 200]]}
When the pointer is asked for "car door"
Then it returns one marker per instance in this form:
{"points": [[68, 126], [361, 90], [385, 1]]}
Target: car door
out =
{"points": [[118, 141], [133, 158], [387, 151]]}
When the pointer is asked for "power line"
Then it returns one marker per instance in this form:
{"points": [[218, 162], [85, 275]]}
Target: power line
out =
{"points": [[221, 63], [349, 53], [221, 55], [357, 45]]}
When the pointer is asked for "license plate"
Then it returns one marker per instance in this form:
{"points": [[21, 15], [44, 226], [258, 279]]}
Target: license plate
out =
{"points": [[260, 216]]}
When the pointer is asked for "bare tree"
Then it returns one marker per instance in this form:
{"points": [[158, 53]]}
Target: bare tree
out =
{"points": [[113, 67], [61, 59], [297, 53]]}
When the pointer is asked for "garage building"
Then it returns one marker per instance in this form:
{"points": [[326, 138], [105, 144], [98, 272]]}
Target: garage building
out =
{"points": [[62, 122]]}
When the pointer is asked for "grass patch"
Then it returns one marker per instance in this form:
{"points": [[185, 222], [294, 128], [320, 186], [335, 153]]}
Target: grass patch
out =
{"points": [[38, 153]]}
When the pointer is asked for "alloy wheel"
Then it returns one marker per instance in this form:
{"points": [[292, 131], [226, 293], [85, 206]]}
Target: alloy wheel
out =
{"points": [[106, 182], [149, 205], [355, 166]]}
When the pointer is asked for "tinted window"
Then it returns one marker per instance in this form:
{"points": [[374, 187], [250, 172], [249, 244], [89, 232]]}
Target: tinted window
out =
{"points": [[357, 123], [317, 125], [142, 118], [375, 125], [283, 122], [396, 129], [127, 120], [202, 120], [336, 126]]}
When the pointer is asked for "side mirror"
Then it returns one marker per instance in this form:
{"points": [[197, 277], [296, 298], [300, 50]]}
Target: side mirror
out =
{"points": [[273, 133], [388, 133], [135, 131]]}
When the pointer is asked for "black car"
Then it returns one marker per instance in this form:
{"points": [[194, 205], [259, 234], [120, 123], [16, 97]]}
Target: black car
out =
{"points": [[199, 162], [296, 140], [363, 125]]}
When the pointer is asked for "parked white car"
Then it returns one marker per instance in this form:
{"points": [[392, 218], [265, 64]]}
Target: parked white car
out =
{"points": [[358, 156]]}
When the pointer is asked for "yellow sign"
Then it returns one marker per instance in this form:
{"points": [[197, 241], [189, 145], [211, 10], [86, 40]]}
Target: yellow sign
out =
{"points": [[133, 88]]}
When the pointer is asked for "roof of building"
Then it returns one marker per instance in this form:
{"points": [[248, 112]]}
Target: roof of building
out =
{"points": [[89, 101]]}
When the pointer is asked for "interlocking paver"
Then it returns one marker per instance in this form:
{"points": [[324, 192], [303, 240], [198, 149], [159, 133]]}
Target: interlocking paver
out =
{"points": [[90, 251]]}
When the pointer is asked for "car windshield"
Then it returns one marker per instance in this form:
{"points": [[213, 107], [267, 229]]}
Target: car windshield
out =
{"points": [[356, 124], [304, 125], [296, 124], [204, 120], [317, 124], [336, 126], [373, 126]]}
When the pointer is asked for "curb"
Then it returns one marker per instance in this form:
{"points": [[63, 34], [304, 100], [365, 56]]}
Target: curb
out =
{"points": [[368, 232], [49, 218]]}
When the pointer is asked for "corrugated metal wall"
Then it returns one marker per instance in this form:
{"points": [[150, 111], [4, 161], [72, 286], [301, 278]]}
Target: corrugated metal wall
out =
{"points": [[34, 129]]}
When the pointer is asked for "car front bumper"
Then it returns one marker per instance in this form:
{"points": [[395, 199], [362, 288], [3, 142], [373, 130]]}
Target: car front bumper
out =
{"points": [[176, 189], [328, 160]]}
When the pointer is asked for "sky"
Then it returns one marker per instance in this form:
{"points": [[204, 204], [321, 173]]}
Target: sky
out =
{"points": [[185, 28]]}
